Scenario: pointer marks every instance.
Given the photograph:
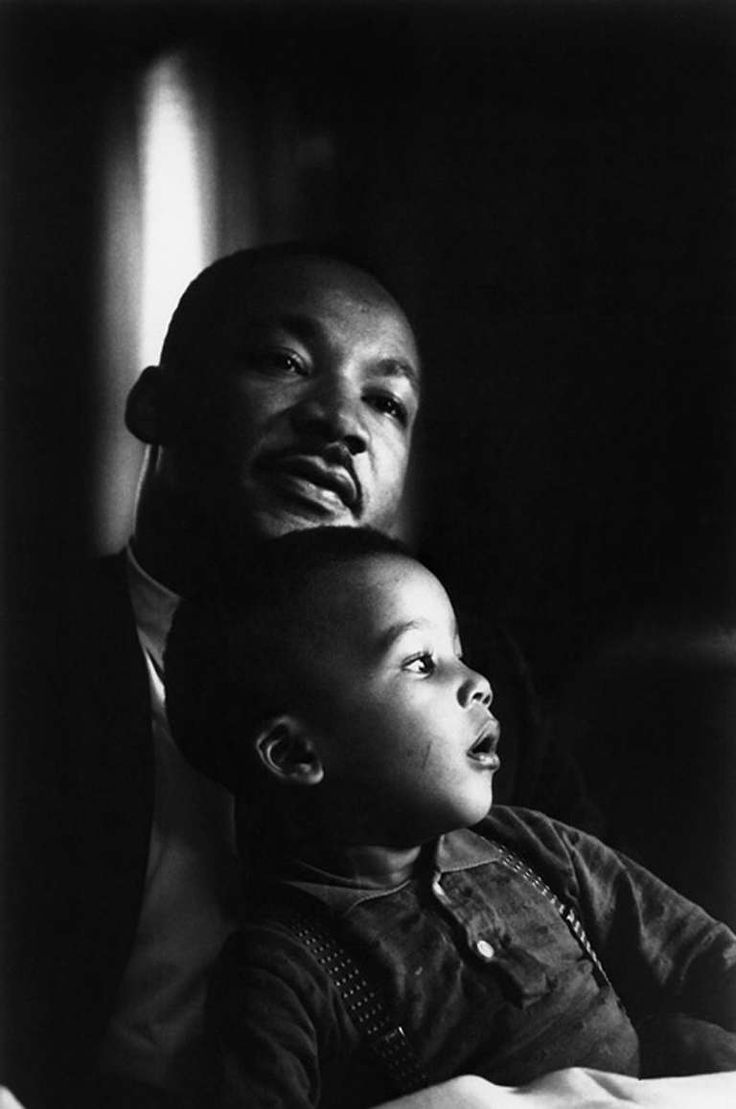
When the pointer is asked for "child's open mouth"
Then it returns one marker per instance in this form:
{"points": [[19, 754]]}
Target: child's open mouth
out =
{"points": [[484, 748]]}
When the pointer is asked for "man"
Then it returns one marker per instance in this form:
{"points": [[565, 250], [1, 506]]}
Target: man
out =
{"points": [[286, 397], [294, 405]]}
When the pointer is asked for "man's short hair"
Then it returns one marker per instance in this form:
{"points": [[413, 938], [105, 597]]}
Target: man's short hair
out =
{"points": [[203, 308], [230, 656]]}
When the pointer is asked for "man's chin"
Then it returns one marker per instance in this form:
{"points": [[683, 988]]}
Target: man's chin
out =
{"points": [[270, 523]]}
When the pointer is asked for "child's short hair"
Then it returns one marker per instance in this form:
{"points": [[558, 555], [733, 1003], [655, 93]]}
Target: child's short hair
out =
{"points": [[228, 655]]}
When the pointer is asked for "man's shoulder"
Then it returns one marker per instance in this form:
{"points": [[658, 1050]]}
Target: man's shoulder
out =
{"points": [[94, 578], [94, 600], [73, 606], [73, 587], [79, 634]]}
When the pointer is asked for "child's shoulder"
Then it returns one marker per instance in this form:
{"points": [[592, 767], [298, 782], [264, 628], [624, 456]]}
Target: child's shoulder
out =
{"points": [[267, 947], [545, 844], [514, 822]]}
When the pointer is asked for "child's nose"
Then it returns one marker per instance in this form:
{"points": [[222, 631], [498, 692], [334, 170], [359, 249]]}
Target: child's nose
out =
{"points": [[475, 687]]}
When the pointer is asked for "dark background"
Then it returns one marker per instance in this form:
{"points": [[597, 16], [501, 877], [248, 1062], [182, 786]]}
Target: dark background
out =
{"points": [[550, 189]]}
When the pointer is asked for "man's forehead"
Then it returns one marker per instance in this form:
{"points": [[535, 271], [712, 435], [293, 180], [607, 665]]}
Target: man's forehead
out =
{"points": [[303, 293], [295, 274]]}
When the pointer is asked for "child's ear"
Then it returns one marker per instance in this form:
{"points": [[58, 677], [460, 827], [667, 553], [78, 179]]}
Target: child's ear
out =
{"points": [[286, 750]]}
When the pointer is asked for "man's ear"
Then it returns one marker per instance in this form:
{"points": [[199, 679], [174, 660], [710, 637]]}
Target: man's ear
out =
{"points": [[287, 751], [145, 411]]}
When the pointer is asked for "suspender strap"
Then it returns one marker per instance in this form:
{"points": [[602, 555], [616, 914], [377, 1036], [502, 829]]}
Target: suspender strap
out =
{"points": [[384, 1038], [568, 914]]}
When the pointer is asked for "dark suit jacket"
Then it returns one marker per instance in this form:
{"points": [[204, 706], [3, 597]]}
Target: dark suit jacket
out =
{"points": [[78, 807], [79, 803]]}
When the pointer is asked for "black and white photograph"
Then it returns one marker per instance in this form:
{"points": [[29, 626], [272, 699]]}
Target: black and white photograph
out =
{"points": [[368, 490]]}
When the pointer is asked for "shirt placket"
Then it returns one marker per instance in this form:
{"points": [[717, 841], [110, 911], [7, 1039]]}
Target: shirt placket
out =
{"points": [[492, 937]]}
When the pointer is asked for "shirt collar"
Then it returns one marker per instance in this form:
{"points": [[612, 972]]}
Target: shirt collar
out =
{"points": [[459, 850], [153, 607]]}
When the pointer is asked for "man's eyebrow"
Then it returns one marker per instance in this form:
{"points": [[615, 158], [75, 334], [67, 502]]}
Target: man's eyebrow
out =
{"points": [[305, 328], [302, 326], [397, 367]]}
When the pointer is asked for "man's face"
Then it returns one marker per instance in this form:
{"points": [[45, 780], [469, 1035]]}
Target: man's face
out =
{"points": [[402, 726], [305, 413]]}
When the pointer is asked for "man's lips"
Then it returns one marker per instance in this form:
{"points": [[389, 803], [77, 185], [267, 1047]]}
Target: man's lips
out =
{"points": [[308, 476], [483, 751]]}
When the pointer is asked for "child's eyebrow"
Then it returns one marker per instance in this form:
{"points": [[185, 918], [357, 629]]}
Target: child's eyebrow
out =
{"points": [[389, 637]]}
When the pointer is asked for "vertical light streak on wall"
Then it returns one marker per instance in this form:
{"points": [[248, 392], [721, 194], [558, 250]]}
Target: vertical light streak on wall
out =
{"points": [[116, 455], [158, 233], [177, 208]]}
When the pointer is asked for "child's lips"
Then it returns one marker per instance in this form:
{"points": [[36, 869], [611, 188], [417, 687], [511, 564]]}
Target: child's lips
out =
{"points": [[487, 761], [483, 751]]}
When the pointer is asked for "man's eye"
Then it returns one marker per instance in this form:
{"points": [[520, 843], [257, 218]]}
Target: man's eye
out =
{"points": [[390, 406], [421, 664], [269, 360]]}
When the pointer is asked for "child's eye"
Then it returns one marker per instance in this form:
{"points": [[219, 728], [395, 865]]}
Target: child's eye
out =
{"points": [[421, 664]]}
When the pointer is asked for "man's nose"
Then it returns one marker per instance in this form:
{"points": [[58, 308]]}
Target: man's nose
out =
{"points": [[475, 687], [331, 413]]}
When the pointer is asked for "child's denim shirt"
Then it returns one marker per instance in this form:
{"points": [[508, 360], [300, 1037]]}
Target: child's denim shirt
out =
{"points": [[478, 967]]}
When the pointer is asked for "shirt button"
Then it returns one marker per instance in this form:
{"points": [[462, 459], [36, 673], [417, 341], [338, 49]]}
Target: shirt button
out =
{"points": [[484, 949]]}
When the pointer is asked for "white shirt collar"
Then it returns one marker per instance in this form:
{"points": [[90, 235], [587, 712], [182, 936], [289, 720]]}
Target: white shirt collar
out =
{"points": [[154, 606]]}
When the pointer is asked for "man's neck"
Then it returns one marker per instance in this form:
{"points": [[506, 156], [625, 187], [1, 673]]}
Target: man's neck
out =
{"points": [[175, 569], [181, 548]]}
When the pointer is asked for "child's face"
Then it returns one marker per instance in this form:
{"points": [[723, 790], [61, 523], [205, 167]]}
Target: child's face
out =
{"points": [[403, 727]]}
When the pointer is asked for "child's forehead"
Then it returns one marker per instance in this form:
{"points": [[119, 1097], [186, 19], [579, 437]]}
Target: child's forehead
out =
{"points": [[373, 591], [369, 574]]}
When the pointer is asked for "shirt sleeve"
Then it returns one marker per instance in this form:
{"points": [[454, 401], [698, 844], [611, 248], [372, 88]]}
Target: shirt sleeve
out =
{"points": [[663, 953], [276, 1024]]}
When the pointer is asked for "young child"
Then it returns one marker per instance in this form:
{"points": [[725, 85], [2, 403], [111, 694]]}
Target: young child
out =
{"points": [[328, 691]]}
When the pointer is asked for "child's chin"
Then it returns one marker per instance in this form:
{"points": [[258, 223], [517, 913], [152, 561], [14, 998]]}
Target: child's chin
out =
{"points": [[478, 810]]}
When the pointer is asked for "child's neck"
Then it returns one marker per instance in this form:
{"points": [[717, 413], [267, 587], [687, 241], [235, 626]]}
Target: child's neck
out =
{"points": [[294, 834], [376, 865]]}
